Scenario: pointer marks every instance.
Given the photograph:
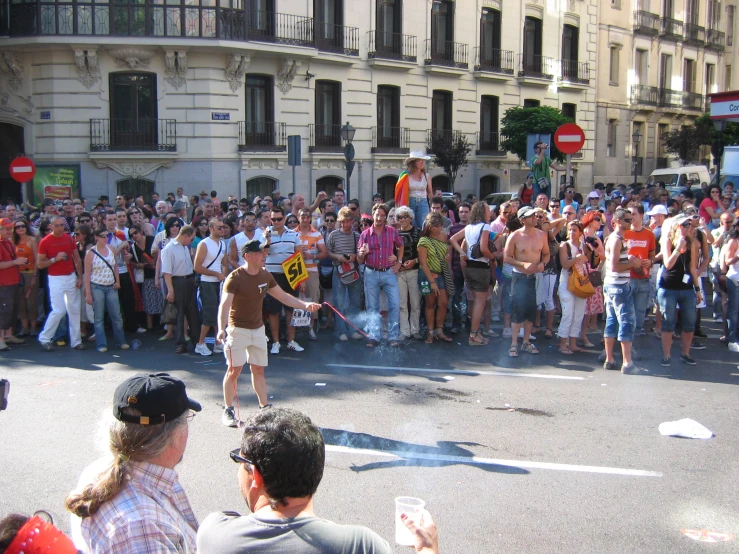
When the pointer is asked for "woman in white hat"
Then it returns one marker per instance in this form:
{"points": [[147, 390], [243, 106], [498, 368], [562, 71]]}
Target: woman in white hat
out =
{"points": [[413, 188]]}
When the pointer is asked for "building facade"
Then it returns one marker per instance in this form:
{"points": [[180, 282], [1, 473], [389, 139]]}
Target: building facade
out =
{"points": [[657, 61], [146, 95]]}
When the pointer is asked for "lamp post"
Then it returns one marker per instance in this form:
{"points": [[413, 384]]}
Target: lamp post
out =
{"points": [[717, 148], [636, 138], [347, 134]]}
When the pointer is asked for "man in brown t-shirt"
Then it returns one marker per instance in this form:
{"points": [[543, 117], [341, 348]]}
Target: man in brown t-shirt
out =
{"points": [[241, 325]]}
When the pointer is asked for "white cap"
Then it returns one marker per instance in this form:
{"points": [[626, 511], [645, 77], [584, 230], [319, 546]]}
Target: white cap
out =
{"points": [[659, 209], [593, 194]]}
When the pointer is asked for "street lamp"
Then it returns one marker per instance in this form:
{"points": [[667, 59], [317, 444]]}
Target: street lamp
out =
{"points": [[717, 148], [636, 138], [347, 134]]}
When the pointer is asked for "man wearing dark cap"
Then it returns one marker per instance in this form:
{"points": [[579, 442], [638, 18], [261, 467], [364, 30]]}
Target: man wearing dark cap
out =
{"points": [[133, 502], [241, 324]]}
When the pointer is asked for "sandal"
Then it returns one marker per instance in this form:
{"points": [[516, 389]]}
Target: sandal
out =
{"points": [[441, 336], [513, 351], [575, 350], [587, 344], [548, 333], [566, 351], [430, 338], [530, 348], [371, 343], [534, 329], [476, 339]]}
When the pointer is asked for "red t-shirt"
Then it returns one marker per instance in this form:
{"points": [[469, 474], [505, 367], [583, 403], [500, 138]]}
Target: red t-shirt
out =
{"points": [[10, 275], [640, 243], [707, 202], [52, 245]]}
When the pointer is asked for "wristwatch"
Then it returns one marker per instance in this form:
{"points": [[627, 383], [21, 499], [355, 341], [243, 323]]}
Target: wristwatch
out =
{"points": [[697, 289]]}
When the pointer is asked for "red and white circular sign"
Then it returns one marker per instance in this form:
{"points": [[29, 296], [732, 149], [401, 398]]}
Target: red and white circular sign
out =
{"points": [[569, 138], [22, 169]]}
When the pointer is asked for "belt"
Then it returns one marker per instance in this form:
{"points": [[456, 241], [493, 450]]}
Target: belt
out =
{"points": [[183, 276], [518, 275], [377, 269]]}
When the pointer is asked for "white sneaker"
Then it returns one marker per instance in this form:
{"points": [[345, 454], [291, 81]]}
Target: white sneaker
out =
{"points": [[312, 335], [275, 348], [520, 333], [496, 318], [507, 333], [734, 347], [141, 330], [292, 345], [203, 350], [229, 418], [343, 337], [218, 349], [356, 336]]}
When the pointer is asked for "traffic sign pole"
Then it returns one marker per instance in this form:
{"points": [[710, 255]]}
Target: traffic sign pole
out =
{"points": [[569, 170]]}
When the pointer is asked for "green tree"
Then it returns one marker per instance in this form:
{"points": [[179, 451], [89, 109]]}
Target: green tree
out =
{"points": [[730, 134], [519, 122], [450, 150], [685, 142]]}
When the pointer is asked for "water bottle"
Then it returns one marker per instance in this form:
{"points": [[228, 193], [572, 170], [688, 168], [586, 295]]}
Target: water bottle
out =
{"points": [[135, 344]]}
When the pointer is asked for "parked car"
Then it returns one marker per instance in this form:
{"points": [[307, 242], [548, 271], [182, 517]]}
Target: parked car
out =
{"points": [[678, 176], [497, 198]]}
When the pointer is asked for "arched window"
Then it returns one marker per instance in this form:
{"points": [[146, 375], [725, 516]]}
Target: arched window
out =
{"points": [[260, 186], [134, 187], [386, 187], [440, 182], [488, 185], [329, 185]]}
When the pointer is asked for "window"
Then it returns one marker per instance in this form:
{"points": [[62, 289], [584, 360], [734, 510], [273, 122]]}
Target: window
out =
{"points": [[389, 27], [532, 46], [570, 110], [386, 187], [388, 116], [442, 30], [490, 38], [662, 130], [641, 62], [488, 185], [328, 18], [260, 18], [489, 123], [260, 186], [614, 69], [638, 150], [328, 114], [440, 182], [714, 15], [611, 145], [727, 78], [259, 129], [691, 12], [531, 103], [689, 70], [133, 111], [616, 4], [441, 111], [570, 41], [665, 71], [730, 26], [710, 78], [134, 187], [668, 8], [330, 185]]}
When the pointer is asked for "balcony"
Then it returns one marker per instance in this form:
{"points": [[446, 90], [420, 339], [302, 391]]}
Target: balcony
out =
{"points": [[494, 60], [488, 144], [670, 98], [671, 29], [646, 23], [325, 138], [154, 19], [695, 34], [692, 101], [262, 136], [391, 140], [644, 95], [445, 53], [391, 46], [575, 72], [337, 39], [535, 70], [446, 135], [133, 135], [715, 39]]}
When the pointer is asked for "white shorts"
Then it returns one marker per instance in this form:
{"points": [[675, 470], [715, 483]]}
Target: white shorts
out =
{"points": [[246, 346]]}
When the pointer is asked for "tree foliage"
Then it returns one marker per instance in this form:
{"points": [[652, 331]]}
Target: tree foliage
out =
{"points": [[520, 122], [685, 143], [450, 151]]}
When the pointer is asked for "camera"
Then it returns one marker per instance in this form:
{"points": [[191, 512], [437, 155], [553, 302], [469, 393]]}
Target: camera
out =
{"points": [[591, 241], [4, 391]]}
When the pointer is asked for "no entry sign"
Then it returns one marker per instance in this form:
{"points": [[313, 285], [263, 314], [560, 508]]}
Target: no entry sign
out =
{"points": [[569, 138], [22, 169]]}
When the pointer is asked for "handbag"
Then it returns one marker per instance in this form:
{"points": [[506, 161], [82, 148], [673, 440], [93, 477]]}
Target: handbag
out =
{"points": [[349, 271], [476, 250], [595, 276], [138, 273], [578, 284], [169, 315]]}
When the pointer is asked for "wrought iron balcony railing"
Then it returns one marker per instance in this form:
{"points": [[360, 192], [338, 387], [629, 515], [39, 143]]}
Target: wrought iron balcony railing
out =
{"points": [[488, 144], [262, 136], [391, 46], [669, 98], [671, 28], [446, 53], [493, 60], [540, 67], [337, 38], [715, 39], [575, 72], [325, 138], [695, 34], [390, 140], [646, 23], [692, 101], [133, 135], [644, 95]]}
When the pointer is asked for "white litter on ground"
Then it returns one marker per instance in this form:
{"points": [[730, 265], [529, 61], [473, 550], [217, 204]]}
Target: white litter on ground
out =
{"points": [[686, 428]]}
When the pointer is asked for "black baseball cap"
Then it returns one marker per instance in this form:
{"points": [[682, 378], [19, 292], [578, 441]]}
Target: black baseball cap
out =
{"points": [[158, 396], [253, 246]]}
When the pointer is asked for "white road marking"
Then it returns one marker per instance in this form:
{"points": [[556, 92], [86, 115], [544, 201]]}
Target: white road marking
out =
{"points": [[569, 138], [470, 372], [474, 460]]}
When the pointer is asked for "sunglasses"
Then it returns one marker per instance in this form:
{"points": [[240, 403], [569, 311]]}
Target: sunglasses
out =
{"points": [[626, 220], [354, 209], [276, 219], [85, 220], [176, 225], [236, 456], [570, 192], [330, 221], [203, 223], [233, 209], [105, 236], [599, 220], [685, 224], [21, 227]]}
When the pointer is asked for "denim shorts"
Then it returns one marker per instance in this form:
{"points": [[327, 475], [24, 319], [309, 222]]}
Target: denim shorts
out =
{"points": [[505, 294], [439, 280], [523, 297], [668, 300], [620, 315]]}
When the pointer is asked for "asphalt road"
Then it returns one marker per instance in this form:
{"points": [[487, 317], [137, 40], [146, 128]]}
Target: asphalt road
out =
{"points": [[578, 466]]}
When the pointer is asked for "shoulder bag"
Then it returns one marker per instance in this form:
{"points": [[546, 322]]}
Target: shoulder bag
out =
{"points": [[138, 273], [476, 250], [198, 275], [578, 284]]}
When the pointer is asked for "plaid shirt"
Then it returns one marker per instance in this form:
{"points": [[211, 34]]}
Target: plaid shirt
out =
{"points": [[380, 248], [150, 515]]}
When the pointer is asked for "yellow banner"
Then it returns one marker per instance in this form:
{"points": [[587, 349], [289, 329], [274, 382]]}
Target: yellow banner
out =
{"points": [[295, 270]]}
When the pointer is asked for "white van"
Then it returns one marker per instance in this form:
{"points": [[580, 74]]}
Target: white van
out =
{"points": [[678, 176]]}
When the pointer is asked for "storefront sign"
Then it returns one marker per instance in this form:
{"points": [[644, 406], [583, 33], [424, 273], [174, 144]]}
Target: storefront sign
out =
{"points": [[58, 182]]}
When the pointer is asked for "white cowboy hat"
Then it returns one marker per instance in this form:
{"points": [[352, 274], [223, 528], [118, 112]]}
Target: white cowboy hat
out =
{"points": [[416, 155]]}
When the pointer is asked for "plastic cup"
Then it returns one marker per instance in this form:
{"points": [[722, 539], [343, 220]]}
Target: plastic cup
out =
{"points": [[136, 344], [413, 508]]}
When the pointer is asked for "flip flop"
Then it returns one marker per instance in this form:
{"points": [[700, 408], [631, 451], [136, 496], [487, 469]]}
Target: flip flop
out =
{"points": [[165, 337], [566, 352], [548, 334]]}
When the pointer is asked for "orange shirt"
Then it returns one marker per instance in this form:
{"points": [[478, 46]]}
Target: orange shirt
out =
{"points": [[309, 240], [640, 243], [24, 250]]}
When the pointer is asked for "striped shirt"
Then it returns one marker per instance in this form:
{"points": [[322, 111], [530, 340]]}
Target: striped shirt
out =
{"points": [[281, 247], [618, 277], [150, 514], [339, 242]]}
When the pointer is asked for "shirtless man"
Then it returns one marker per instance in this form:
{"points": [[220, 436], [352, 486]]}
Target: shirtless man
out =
{"points": [[528, 252]]}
